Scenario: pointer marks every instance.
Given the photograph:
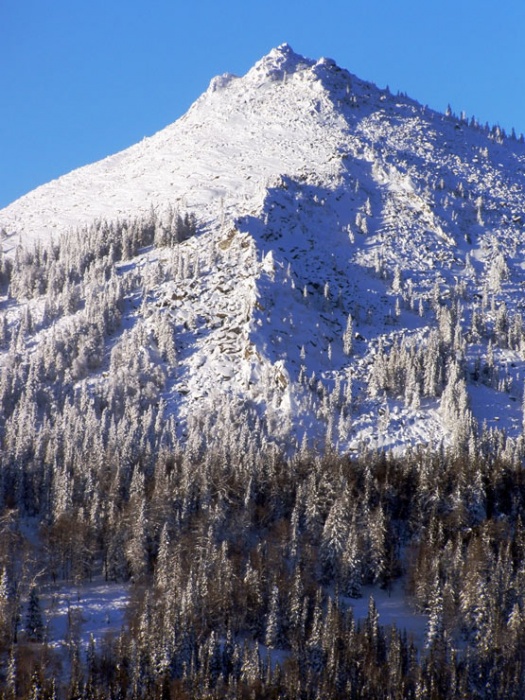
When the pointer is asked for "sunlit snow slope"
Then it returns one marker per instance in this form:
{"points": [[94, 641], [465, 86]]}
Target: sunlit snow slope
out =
{"points": [[217, 159], [319, 197]]}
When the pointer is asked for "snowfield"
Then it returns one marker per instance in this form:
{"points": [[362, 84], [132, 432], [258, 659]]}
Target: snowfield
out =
{"points": [[79, 613]]}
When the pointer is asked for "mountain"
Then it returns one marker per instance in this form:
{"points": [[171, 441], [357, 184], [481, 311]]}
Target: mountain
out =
{"points": [[261, 396], [302, 253]]}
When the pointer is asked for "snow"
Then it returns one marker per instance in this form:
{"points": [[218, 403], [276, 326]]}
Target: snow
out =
{"points": [[311, 187], [318, 196], [79, 612], [393, 608], [211, 158]]}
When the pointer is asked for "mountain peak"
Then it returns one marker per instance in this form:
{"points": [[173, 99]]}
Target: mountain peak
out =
{"points": [[341, 230], [279, 61]]}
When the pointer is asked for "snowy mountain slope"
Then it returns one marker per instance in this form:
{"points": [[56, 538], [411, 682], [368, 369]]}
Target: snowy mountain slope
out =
{"points": [[319, 198], [216, 158]]}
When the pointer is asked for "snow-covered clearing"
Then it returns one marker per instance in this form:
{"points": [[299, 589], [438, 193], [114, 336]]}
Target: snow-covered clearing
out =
{"points": [[77, 612]]}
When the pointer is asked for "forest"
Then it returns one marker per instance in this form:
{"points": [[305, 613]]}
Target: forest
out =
{"points": [[243, 554], [243, 567]]}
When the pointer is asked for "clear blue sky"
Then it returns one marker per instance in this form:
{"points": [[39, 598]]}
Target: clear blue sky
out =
{"points": [[81, 79]]}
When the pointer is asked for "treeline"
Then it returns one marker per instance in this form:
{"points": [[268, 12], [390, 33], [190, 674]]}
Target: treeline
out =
{"points": [[52, 268], [243, 565], [71, 295]]}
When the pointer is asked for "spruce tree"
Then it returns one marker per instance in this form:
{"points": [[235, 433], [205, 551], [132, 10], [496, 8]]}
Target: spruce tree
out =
{"points": [[34, 623]]}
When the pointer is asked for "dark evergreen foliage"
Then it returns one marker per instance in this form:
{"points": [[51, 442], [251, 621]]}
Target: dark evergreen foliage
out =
{"points": [[221, 609]]}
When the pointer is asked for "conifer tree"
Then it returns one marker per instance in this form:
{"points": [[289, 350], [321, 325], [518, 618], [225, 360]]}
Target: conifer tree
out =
{"points": [[274, 624], [334, 536], [11, 675], [351, 576], [34, 623], [348, 337], [5, 608]]}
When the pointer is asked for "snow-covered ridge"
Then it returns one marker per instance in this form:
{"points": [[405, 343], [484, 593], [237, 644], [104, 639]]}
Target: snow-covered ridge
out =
{"points": [[209, 159]]}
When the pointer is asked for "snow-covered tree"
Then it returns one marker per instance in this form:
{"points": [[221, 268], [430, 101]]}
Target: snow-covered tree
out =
{"points": [[348, 337]]}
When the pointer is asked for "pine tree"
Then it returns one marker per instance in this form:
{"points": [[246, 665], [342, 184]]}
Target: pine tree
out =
{"points": [[162, 568], [34, 623], [36, 692], [351, 575], [435, 618], [296, 609], [213, 659], [5, 608], [348, 337], [397, 282], [334, 536], [373, 632], [137, 547], [11, 675], [314, 644], [274, 638]]}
